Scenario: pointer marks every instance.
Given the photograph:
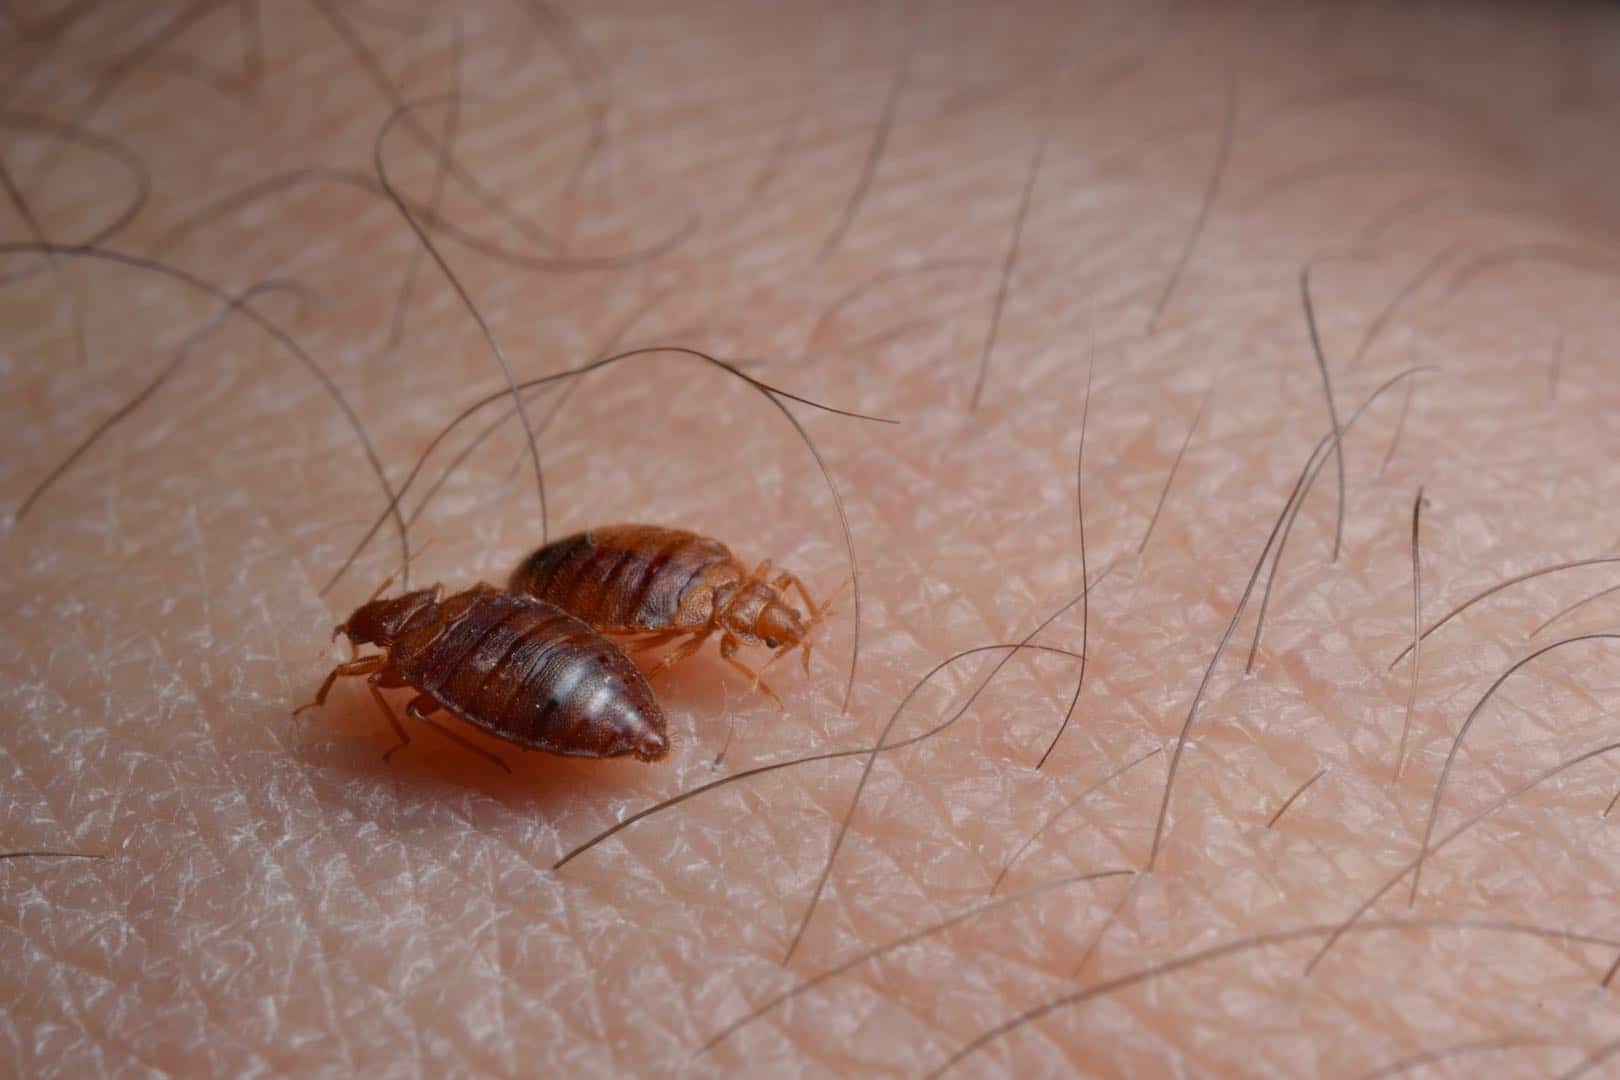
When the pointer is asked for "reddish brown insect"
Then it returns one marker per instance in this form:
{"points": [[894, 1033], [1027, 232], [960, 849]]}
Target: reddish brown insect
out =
{"points": [[513, 665], [668, 584]]}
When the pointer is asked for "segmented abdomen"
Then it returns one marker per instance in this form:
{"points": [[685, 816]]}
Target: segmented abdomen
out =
{"points": [[624, 577], [531, 673]]}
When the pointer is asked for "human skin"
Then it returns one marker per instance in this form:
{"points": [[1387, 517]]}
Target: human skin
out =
{"points": [[845, 186]]}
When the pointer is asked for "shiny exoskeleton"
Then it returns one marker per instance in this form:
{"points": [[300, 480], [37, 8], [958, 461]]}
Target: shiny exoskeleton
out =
{"points": [[669, 584], [513, 665]]}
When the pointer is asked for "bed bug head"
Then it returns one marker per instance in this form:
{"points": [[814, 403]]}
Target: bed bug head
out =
{"points": [[382, 622], [779, 625], [782, 629], [755, 612]]}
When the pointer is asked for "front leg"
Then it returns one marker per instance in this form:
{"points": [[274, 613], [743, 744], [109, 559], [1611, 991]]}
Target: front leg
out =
{"points": [[787, 579], [728, 653], [363, 666]]}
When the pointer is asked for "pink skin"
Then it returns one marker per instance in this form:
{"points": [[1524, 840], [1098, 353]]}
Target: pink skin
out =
{"points": [[280, 900]]}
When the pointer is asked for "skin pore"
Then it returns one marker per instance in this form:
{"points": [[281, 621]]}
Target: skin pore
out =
{"points": [[898, 210]]}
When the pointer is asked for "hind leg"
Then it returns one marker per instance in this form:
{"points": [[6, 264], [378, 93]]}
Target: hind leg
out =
{"points": [[652, 641], [685, 650], [419, 709]]}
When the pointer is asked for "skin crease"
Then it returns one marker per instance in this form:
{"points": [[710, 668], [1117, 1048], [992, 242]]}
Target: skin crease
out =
{"points": [[276, 898]]}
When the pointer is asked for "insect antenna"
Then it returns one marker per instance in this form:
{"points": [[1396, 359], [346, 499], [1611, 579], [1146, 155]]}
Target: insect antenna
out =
{"points": [[823, 611], [388, 581]]}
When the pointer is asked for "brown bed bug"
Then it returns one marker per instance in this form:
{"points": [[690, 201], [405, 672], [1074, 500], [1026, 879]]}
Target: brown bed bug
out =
{"points": [[669, 584], [512, 665]]}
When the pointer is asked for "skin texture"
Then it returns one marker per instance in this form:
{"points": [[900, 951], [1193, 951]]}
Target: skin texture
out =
{"points": [[276, 898]]}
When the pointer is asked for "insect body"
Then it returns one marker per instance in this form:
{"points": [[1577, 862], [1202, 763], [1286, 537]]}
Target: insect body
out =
{"points": [[515, 666], [669, 584]]}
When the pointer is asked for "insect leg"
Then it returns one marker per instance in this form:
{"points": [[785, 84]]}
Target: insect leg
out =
{"points": [[376, 683], [787, 578], [419, 708], [653, 641], [728, 653], [363, 666], [685, 650], [818, 612]]}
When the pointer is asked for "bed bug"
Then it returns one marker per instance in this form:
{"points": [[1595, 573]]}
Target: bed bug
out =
{"points": [[668, 584], [512, 665]]}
